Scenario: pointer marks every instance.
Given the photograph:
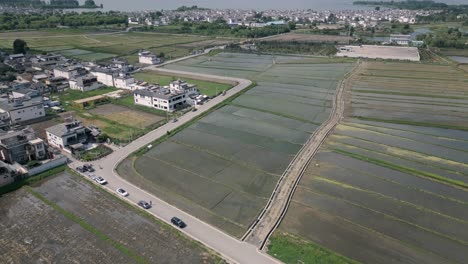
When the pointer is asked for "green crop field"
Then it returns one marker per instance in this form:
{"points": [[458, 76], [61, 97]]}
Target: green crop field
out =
{"points": [[95, 46], [391, 183], [224, 167], [205, 87]]}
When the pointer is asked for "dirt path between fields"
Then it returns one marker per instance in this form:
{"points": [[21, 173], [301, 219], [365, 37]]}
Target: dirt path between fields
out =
{"points": [[276, 208]]}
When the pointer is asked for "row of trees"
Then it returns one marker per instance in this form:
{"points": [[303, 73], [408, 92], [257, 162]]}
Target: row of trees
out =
{"points": [[36, 21], [448, 38], [221, 28]]}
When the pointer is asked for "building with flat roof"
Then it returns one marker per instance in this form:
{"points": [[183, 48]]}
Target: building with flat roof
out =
{"points": [[18, 110], [85, 83], [400, 39], [21, 146], [146, 57], [177, 95], [69, 72], [69, 135]]}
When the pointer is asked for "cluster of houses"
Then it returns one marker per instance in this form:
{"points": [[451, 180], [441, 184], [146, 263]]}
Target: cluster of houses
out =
{"points": [[25, 101], [366, 17]]}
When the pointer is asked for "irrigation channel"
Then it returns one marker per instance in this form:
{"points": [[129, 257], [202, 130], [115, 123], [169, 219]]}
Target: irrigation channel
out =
{"points": [[277, 206]]}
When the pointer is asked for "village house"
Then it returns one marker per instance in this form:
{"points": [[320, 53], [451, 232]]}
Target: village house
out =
{"points": [[85, 83], [69, 135], [146, 57], [21, 146], [19, 110], [177, 95]]}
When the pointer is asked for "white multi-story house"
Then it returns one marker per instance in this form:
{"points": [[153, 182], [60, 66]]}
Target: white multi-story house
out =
{"points": [[104, 76], [146, 57], [124, 81], [178, 94], [85, 83], [69, 72], [19, 110], [65, 135]]}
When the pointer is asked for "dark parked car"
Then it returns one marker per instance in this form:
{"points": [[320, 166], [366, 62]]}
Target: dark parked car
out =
{"points": [[144, 204], [80, 169], [177, 222], [88, 167]]}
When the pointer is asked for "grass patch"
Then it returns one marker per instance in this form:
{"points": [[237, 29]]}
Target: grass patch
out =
{"points": [[89, 227], [129, 102], [94, 154], [72, 95], [31, 180], [205, 87], [291, 249], [400, 168]]}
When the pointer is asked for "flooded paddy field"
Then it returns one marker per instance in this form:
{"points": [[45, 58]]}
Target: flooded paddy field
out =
{"points": [[390, 185], [65, 219], [224, 167]]}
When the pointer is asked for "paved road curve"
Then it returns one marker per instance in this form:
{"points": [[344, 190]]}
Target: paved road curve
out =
{"points": [[230, 248]]}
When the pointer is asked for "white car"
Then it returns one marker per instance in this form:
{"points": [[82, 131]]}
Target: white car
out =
{"points": [[122, 192], [100, 180]]}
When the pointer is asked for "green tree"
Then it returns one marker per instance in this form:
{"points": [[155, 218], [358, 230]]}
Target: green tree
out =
{"points": [[20, 46], [90, 3]]}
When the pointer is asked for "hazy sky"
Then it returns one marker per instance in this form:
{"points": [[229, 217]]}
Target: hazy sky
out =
{"points": [[132, 5]]}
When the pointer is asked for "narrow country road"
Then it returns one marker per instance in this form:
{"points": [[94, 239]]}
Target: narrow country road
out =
{"points": [[230, 248], [269, 219]]}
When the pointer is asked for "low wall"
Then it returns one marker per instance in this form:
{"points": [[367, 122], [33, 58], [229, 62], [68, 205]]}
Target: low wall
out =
{"points": [[47, 166]]}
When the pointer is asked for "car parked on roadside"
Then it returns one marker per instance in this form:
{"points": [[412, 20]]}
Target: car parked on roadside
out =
{"points": [[122, 192], [178, 222], [144, 204], [101, 180], [88, 167]]}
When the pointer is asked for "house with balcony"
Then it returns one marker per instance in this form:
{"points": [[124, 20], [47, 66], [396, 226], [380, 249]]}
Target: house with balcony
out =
{"points": [[85, 83], [21, 146], [169, 99], [68, 136]]}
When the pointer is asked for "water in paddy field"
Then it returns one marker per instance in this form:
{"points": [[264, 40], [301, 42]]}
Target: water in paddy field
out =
{"points": [[135, 5]]}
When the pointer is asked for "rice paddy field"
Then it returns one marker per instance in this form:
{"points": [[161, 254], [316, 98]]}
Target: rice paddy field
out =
{"points": [[390, 184], [92, 46], [224, 167]]}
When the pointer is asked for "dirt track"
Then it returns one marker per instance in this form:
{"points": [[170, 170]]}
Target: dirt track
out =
{"points": [[278, 204]]}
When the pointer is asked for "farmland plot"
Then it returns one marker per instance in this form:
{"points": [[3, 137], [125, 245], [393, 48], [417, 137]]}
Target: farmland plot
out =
{"points": [[224, 167], [390, 184], [65, 219]]}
